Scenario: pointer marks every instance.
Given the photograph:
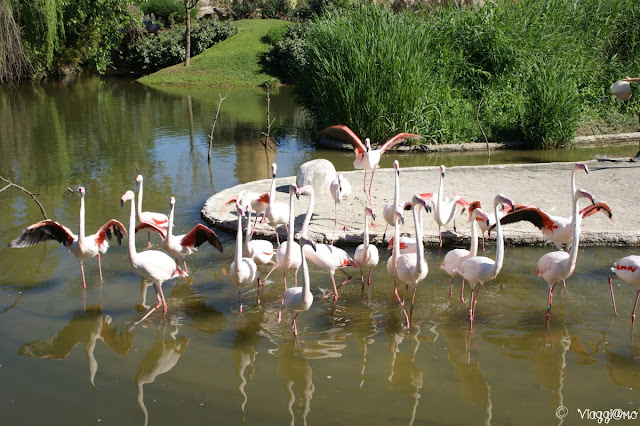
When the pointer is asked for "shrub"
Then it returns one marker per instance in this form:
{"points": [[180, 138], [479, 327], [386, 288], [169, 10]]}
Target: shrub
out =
{"points": [[287, 56], [170, 11]]}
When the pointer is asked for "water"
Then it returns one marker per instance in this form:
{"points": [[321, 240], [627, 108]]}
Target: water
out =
{"points": [[66, 357]]}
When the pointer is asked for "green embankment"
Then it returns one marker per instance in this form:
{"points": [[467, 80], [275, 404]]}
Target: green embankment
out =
{"points": [[232, 62]]}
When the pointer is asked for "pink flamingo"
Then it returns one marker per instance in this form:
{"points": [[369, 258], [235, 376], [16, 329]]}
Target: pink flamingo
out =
{"points": [[340, 190], [390, 209], [258, 203], [559, 265], [157, 219], [628, 270], [243, 270], [411, 267], [299, 299], [180, 246], [366, 157], [444, 209], [406, 244], [456, 257], [366, 255], [82, 246], [325, 256], [277, 212], [261, 251], [152, 265], [480, 269]]}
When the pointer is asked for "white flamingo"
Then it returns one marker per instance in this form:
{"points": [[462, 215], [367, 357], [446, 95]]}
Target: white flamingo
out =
{"points": [[325, 256], [411, 267], [340, 190], [277, 212], [258, 203], [366, 157], [157, 219], [392, 208], [180, 246], [261, 251], [366, 255], [628, 270], [480, 269], [244, 270], [559, 265], [82, 246], [456, 257], [299, 299], [152, 265]]}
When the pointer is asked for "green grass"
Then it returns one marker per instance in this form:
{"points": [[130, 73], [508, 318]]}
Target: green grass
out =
{"points": [[232, 62]]}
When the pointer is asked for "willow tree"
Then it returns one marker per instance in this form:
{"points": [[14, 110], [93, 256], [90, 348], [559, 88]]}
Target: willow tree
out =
{"points": [[189, 5], [14, 61]]}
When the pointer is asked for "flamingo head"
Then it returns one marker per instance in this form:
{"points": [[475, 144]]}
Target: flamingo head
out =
{"points": [[368, 210], [81, 191], [367, 144], [306, 190], [502, 199], [580, 166], [172, 201], [139, 179], [293, 189], [239, 210], [399, 214], [479, 214], [442, 170], [396, 166], [418, 200], [274, 169], [128, 196], [581, 193], [304, 241], [474, 205]]}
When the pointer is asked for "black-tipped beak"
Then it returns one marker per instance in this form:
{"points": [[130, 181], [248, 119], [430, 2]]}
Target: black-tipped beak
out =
{"points": [[373, 216], [121, 203]]}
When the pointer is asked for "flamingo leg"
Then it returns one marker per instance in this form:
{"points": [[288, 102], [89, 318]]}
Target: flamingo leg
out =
{"points": [[613, 299], [369, 279], [275, 265], [184, 263], [384, 234], [462, 293], [370, 184], [164, 302], [451, 288], [344, 228], [148, 239], [161, 302], [362, 280], [84, 283], [240, 299], [280, 310], [100, 268], [550, 300], [364, 186], [415, 287], [471, 310], [294, 325], [635, 305], [335, 219], [395, 291]]}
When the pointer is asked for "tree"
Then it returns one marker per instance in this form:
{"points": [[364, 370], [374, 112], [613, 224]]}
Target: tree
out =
{"points": [[189, 5], [14, 62]]}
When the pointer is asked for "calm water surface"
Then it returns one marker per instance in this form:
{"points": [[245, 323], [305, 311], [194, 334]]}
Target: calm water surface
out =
{"points": [[66, 357]]}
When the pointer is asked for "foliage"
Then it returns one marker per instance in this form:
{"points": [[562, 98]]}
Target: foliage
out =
{"points": [[286, 58], [171, 11], [309, 9], [529, 69], [153, 52]]}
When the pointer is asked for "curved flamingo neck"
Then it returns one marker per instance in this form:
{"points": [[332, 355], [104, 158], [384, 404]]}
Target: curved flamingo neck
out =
{"points": [[247, 235], [170, 227], [439, 210], [573, 253], [238, 254], [306, 282], [499, 241], [307, 217], [473, 250], [81, 233], [396, 191], [417, 221], [132, 231]]}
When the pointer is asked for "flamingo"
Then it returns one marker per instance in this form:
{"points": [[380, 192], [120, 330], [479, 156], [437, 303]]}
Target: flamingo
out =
{"points": [[366, 255], [277, 212], [366, 157], [407, 244], [243, 270], [180, 246], [480, 269], [628, 270], [152, 265], [157, 219], [340, 190], [389, 211], [82, 246], [490, 223], [257, 201], [288, 255], [559, 265], [299, 299], [456, 257], [555, 229], [261, 251], [411, 267], [444, 209], [325, 256]]}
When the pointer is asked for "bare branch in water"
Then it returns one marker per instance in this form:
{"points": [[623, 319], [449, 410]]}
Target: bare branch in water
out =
{"points": [[31, 194], [213, 125]]}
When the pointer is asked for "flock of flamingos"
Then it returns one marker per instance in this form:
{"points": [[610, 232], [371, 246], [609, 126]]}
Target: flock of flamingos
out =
{"points": [[407, 262]]}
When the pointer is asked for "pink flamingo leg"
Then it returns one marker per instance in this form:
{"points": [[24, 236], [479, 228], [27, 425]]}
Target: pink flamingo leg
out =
{"points": [[84, 283], [362, 280], [415, 287], [258, 290], [344, 228], [395, 291], [635, 305], [294, 325], [613, 299], [550, 300], [462, 293], [451, 288], [100, 267], [240, 299]]}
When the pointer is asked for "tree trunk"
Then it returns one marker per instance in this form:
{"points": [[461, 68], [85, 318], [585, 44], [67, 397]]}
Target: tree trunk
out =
{"points": [[187, 56]]}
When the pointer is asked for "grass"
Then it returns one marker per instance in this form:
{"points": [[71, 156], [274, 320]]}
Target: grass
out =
{"points": [[232, 62]]}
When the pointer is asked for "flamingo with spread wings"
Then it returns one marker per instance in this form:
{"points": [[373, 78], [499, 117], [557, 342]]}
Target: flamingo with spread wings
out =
{"points": [[82, 246], [367, 158]]}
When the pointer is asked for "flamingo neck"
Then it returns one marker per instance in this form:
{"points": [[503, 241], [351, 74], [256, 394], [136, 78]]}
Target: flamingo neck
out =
{"points": [[291, 231], [170, 227], [395, 251], [81, 234], [573, 254], [132, 232], [306, 282], [396, 192], [365, 242], [417, 221], [247, 235], [139, 200], [499, 242], [238, 256], [272, 191], [473, 250], [307, 217], [439, 208]]}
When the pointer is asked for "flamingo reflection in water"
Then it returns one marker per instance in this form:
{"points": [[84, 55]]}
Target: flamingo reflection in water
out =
{"points": [[296, 373], [244, 349], [86, 328], [161, 358]]}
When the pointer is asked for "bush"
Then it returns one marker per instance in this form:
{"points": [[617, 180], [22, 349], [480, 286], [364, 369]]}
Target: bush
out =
{"points": [[153, 52], [286, 58], [170, 11]]}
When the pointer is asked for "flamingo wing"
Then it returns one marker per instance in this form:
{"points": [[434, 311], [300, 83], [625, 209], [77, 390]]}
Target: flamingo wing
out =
{"points": [[534, 215], [43, 231], [399, 138], [198, 235], [153, 227], [595, 208], [344, 133], [111, 227]]}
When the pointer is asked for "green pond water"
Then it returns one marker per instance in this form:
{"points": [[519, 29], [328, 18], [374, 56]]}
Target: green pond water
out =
{"points": [[66, 356]]}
